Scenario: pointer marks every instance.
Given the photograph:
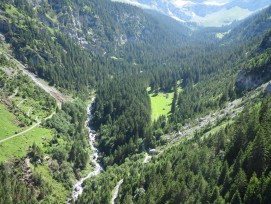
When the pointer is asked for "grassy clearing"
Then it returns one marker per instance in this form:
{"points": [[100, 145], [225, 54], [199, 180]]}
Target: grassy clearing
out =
{"points": [[18, 147], [7, 123], [161, 103]]}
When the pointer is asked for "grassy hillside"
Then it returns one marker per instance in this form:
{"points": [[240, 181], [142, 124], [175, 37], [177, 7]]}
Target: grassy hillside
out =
{"points": [[8, 123], [17, 148], [22, 106], [38, 149]]}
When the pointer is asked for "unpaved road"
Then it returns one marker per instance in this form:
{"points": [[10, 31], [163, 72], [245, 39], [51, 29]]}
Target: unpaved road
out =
{"points": [[14, 94], [116, 191], [27, 130], [232, 109], [22, 101]]}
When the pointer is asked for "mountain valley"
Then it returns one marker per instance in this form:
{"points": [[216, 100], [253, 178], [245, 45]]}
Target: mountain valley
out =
{"points": [[203, 12], [106, 102]]}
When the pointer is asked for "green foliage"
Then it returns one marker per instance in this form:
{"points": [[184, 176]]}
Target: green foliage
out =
{"points": [[69, 125], [41, 136], [36, 153], [41, 38], [256, 70], [194, 170], [162, 103], [122, 115], [23, 98], [13, 189], [7, 123], [218, 169]]}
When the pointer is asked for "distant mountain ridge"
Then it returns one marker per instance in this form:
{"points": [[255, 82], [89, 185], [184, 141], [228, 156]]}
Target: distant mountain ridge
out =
{"points": [[203, 12], [254, 26]]}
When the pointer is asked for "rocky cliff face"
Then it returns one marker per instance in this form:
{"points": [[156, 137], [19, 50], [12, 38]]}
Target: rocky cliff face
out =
{"points": [[248, 80], [100, 26], [256, 71]]}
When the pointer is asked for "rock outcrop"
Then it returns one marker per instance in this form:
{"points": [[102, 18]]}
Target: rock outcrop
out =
{"points": [[250, 79]]}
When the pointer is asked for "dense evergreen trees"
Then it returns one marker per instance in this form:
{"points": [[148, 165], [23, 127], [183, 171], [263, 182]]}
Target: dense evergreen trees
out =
{"points": [[49, 44], [69, 125], [201, 170], [122, 116], [65, 155], [121, 60], [12, 190]]}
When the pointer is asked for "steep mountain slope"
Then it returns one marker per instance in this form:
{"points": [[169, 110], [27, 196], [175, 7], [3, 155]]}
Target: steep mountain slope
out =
{"points": [[101, 25], [207, 78], [251, 28], [203, 12], [50, 35], [50, 47], [258, 69], [123, 53], [36, 137], [228, 163]]}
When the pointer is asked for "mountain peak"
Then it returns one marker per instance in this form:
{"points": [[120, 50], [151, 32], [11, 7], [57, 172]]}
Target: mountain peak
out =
{"points": [[208, 13]]}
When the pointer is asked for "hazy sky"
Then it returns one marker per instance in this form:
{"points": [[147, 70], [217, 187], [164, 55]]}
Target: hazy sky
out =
{"points": [[207, 2]]}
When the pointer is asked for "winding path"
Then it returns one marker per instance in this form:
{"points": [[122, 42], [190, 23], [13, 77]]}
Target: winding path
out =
{"points": [[27, 130], [22, 101], [14, 94], [115, 192]]}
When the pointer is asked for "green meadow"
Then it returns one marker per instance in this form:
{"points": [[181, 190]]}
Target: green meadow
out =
{"points": [[161, 103], [8, 123], [18, 147]]}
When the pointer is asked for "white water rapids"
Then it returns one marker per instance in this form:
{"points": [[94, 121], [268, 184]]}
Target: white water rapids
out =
{"points": [[78, 188]]}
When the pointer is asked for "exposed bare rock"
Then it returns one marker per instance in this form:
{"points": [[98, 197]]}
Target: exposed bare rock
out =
{"points": [[248, 80]]}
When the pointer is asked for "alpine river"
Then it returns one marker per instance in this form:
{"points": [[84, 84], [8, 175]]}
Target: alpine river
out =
{"points": [[78, 188]]}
